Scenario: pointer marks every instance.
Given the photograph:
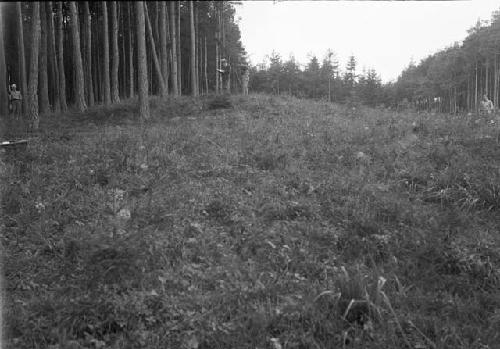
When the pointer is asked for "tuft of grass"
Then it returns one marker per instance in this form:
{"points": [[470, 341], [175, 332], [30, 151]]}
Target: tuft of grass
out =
{"points": [[219, 102]]}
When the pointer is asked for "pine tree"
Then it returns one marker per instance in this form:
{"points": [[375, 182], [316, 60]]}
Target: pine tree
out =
{"points": [[33, 75], [116, 58], [130, 53], [173, 33], [3, 71], [52, 59], [20, 53], [154, 54], [194, 79], [88, 54], [163, 43], [80, 103], [105, 33], [43, 79], [60, 58], [141, 61]]}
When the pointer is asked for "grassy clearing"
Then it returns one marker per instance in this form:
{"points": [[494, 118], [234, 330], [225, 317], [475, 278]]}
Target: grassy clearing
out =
{"points": [[277, 223]]}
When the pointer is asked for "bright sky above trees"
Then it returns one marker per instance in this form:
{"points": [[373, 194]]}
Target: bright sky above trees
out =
{"points": [[384, 35]]}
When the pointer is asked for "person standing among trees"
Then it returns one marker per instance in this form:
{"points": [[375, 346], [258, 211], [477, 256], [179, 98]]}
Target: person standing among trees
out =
{"points": [[244, 79], [225, 71], [486, 105], [15, 98]]}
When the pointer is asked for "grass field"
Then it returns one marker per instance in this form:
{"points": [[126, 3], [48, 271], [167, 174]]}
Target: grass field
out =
{"points": [[277, 223]]}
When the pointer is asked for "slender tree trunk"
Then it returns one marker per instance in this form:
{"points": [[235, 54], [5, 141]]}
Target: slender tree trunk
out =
{"points": [[20, 53], [141, 61], [194, 88], [163, 43], [80, 103], [150, 63], [197, 47], [54, 71], [99, 66], [33, 75], [496, 82], [217, 49], [475, 92], [156, 28], [88, 54], [60, 58], [486, 79], [116, 56], [123, 55], [153, 53], [173, 33], [206, 75], [4, 108], [131, 54], [43, 78], [179, 56], [107, 87]]}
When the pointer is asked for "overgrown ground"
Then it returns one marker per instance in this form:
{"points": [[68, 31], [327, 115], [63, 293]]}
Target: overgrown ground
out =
{"points": [[279, 223]]}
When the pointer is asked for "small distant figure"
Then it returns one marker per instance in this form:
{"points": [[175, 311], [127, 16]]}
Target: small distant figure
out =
{"points": [[244, 80], [15, 99], [225, 72], [486, 106]]}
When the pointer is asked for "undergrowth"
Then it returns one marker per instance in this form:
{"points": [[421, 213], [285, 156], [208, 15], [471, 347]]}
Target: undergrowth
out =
{"points": [[277, 223]]}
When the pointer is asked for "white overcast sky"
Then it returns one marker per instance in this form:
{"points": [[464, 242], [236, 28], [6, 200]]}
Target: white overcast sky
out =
{"points": [[384, 35]]}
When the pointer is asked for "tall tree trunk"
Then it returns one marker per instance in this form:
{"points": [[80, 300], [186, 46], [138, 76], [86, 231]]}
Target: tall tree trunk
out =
{"points": [[107, 88], [467, 99], [206, 75], [4, 108], [32, 102], [80, 103], [179, 56], [124, 53], [149, 63], [153, 53], [217, 49], [60, 58], [141, 61], [123, 56], [20, 53], [98, 67], [475, 93], [194, 87], [156, 27], [173, 33], [197, 47], [88, 54], [163, 43], [116, 56], [43, 78], [131, 54], [54, 69], [495, 100], [486, 79]]}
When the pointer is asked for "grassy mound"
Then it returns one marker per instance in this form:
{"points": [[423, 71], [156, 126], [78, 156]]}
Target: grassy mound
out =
{"points": [[281, 223]]}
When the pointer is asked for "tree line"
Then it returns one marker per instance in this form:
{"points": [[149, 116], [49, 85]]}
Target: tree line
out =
{"points": [[451, 80], [77, 54], [318, 80], [456, 78]]}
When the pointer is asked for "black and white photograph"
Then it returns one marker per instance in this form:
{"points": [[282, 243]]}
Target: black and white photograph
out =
{"points": [[274, 174]]}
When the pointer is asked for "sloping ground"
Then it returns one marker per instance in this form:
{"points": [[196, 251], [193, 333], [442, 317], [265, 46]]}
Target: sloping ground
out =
{"points": [[278, 223]]}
